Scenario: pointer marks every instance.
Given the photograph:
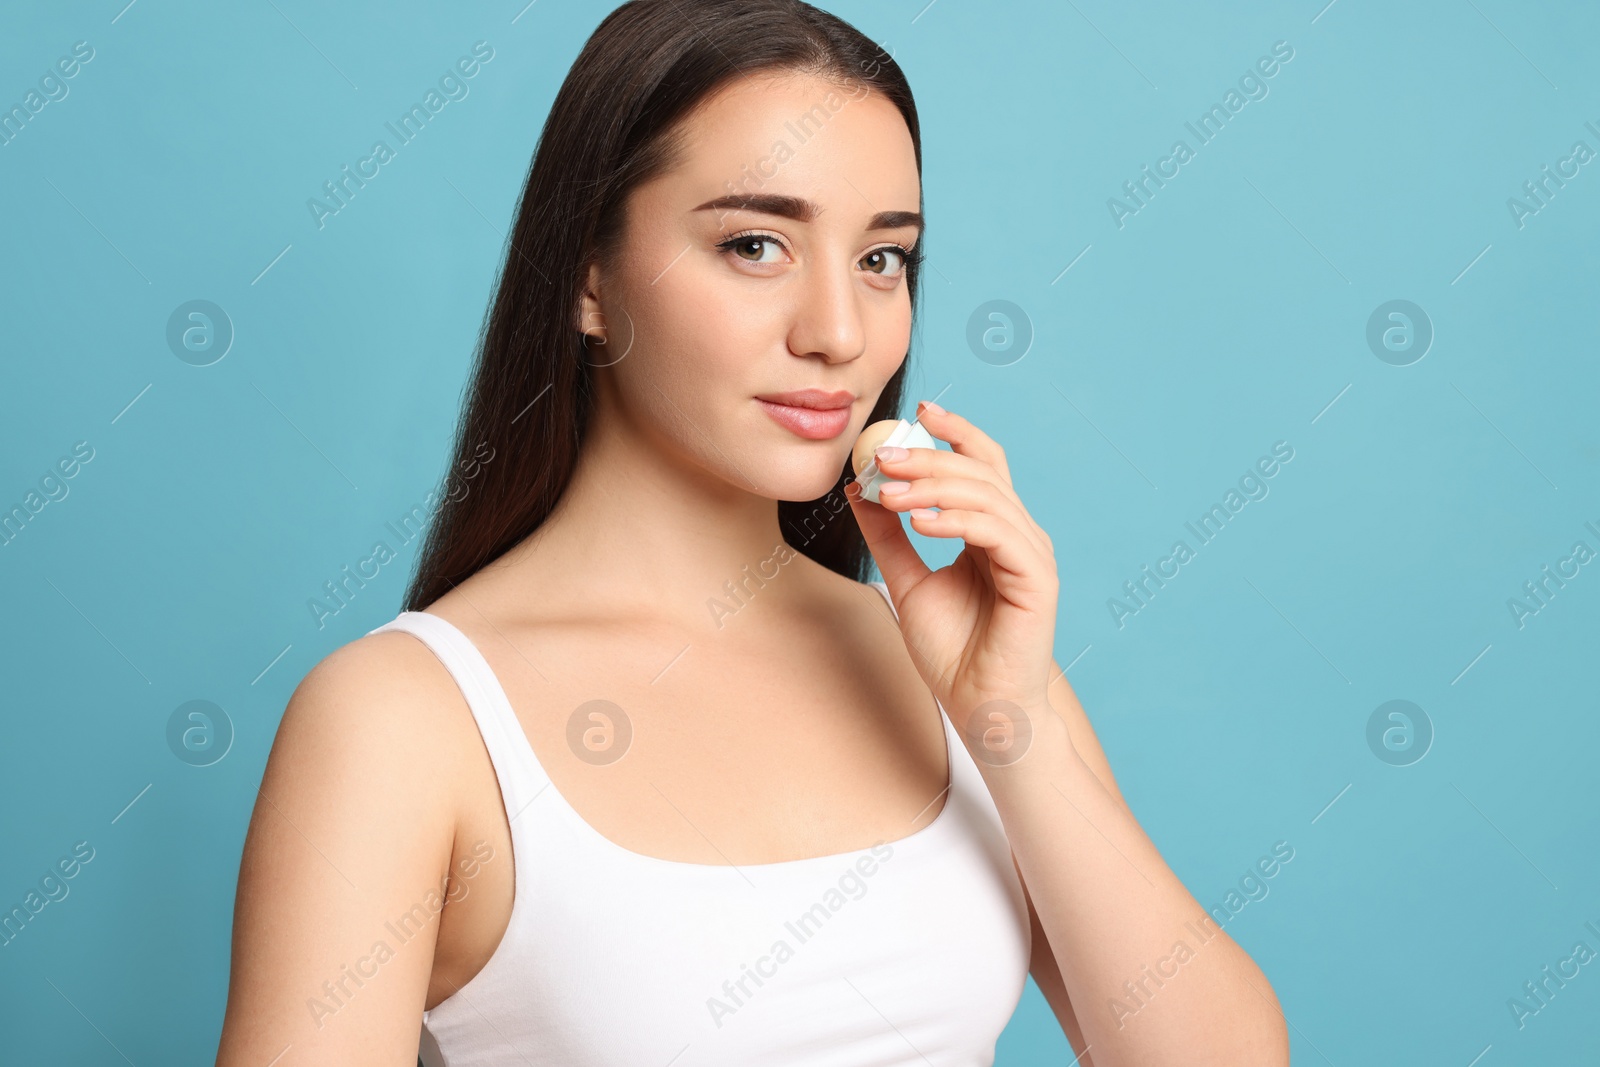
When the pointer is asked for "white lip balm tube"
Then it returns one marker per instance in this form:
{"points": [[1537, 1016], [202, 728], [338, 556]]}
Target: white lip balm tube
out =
{"points": [[905, 434]]}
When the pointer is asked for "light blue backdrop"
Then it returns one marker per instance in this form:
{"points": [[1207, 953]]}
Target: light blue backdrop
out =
{"points": [[1169, 345]]}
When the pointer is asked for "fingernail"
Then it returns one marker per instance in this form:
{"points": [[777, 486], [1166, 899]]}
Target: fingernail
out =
{"points": [[929, 405], [892, 488], [890, 452]]}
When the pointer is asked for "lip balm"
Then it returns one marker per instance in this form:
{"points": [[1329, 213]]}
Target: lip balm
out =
{"points": [[888, 432]]}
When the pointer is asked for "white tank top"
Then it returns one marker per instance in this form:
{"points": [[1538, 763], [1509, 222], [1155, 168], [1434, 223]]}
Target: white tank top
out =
{"points": [[914, 951]]}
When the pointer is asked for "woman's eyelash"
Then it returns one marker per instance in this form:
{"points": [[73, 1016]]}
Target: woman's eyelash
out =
{"points": [[741, 238], [910, 258], [909, 255]]}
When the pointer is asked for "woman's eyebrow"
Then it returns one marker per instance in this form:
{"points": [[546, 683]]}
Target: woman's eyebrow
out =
{"points": [[802, 210]]}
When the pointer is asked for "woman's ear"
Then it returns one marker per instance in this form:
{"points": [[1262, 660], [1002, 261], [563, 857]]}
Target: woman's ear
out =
{"points": [[590, 319]]}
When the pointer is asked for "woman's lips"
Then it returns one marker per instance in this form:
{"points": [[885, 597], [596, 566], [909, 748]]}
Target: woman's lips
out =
{"points": [[811, 423]]}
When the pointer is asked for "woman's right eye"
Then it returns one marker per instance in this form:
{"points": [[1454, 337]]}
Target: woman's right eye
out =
{"points": [[752, 248]]}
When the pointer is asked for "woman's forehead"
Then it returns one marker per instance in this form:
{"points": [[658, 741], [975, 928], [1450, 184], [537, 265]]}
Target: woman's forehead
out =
{"points": [[802, 135]]}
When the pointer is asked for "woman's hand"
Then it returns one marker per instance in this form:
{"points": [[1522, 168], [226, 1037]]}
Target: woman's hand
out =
{"points": [[983, 628]]}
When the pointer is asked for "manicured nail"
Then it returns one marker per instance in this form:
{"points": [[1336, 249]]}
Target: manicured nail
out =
{"points": [[892, 488], [928, 405], [890, 452], [923, 513]]}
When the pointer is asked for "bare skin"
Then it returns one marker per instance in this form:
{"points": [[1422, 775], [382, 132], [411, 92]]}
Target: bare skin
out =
{"points": [[797, 727]]}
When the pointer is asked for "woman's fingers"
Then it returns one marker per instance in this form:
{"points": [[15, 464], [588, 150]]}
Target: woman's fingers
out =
{"points": [[927, 462], [963, 437], [971, 483], [919, 463], [1004, 544], [968, 494]]}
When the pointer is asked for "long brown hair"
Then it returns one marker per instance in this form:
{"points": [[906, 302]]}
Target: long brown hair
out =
{"points": [[612, 127]]}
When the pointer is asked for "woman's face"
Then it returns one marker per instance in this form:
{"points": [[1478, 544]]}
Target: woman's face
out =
{"points": [[765, 263]]}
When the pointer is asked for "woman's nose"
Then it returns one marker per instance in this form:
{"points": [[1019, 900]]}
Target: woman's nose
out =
{"points": [[827, 318]]}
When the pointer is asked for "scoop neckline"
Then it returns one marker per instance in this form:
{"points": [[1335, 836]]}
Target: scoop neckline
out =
{"points": [[520, 741]]}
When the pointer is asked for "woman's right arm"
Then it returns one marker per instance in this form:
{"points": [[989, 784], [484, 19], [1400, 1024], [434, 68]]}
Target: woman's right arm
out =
{"points": [[343, 868]]}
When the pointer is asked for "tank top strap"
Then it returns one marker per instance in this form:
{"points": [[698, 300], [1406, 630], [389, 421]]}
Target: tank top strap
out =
{"points": [[884, 589], [516, 768]]}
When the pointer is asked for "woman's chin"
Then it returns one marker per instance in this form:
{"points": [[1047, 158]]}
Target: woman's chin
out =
{"points": [[805, 481]]}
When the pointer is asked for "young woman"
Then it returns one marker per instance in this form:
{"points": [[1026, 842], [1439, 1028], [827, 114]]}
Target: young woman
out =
{"points": [[647, 773]]}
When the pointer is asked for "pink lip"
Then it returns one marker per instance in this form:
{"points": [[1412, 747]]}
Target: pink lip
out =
{"points": [[810, 413]]}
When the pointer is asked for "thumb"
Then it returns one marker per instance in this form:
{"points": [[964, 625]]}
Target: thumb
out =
{"points": [[887, 540]]}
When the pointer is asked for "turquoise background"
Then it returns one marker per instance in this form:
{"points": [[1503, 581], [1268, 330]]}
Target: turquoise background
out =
{"points": [[1229, 313]]}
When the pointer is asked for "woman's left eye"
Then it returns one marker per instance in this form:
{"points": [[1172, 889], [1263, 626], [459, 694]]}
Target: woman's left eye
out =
{"points": [[889, 261]]}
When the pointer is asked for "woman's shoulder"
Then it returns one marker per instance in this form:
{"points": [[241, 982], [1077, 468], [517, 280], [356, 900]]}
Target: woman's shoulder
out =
{"points": [[355, 819], [381, 708]]}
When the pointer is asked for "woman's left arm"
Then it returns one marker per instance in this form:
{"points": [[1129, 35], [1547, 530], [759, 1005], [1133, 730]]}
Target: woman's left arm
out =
{"points": [[1150, 976]]}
